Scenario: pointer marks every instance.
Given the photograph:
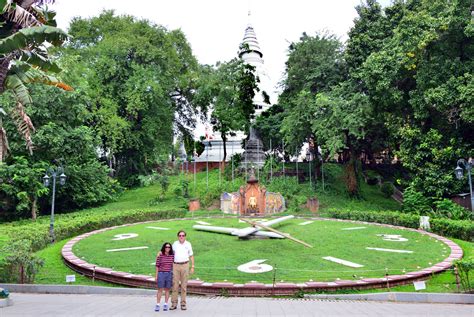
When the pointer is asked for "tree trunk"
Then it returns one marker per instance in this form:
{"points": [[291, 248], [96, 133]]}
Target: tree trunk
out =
{"points": [[316, 164], [22, 274], [224, 141], [351, 170], [34, 208]]}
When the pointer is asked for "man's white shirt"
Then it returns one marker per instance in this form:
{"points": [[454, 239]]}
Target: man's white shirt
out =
{"points": [[182, 251]]}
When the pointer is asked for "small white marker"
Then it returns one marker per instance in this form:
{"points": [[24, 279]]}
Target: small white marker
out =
{"points": [[203, 223], [419, 285], [126, 249], [392, 237], [354, 228], [158, 228], [343, 262], [389, 250], [305, 223]]}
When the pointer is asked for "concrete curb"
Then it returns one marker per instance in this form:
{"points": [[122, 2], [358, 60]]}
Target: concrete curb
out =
{"points": [[401, 297], [5, 302], [101, 290], [75, 289]]}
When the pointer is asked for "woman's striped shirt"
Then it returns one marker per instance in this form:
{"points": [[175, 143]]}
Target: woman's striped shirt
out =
{"points": [[164, 263]]}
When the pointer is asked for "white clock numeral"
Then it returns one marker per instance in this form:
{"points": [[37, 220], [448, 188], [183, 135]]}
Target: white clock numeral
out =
{"points": [[392, 237], [255, 266], [124, 236]]}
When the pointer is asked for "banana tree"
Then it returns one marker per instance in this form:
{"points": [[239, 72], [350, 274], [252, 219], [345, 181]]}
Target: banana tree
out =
{"points": [[26, 30]]}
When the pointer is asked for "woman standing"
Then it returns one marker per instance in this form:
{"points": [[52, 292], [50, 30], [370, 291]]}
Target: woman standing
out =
{"points": [[164, 274]]}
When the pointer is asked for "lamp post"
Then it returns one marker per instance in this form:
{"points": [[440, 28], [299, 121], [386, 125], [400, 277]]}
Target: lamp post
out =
{"points": [[55, 173], [309, 158], [458, 171]]}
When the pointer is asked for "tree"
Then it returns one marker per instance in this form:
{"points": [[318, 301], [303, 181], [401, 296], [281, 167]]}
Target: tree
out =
{"points": [[229, 89], [371, 28], [314, 65], [25, 28], [21, 187], [421, 83], [62, 137], [140, 81], [268, 125]]}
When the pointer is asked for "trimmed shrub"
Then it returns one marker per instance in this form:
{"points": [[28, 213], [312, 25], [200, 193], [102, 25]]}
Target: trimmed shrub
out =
{"points": [[465, 267], [74, 224], [414, 202], [20, 264], [448, 209], [460, 229]]}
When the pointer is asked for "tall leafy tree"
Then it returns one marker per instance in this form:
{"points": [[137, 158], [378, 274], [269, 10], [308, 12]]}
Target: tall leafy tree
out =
{"points": [[62, 138], [314, 65], [421, 80], [229, 90], [140, 83]]}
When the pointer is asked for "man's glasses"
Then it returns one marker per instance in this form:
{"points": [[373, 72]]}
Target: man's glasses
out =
{"points": [[182, 235]]}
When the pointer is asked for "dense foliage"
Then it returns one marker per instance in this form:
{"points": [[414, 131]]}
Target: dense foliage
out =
{"points": [[402, 87], [133, 82], [139, 82], [228, 91], [27, 31]]}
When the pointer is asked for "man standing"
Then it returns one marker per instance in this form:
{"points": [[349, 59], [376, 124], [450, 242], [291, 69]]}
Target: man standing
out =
{"points": [[183, 252]]}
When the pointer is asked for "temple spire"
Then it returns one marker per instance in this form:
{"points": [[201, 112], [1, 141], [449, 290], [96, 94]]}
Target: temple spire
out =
{"points": [[250, 43]]}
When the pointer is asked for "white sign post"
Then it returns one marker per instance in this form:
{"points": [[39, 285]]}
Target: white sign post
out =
{"points": [[419, 285], [70, 278]]}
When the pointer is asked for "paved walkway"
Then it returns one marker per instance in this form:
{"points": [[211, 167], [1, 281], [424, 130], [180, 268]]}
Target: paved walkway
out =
{"points": [[116, 305]]}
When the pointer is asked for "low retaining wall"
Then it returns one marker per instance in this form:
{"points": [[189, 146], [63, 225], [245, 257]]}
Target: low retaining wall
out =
{"points": [[259, 289]]}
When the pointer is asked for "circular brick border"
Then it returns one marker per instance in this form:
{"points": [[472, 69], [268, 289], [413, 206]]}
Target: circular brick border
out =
{"points": [[253, 288]]}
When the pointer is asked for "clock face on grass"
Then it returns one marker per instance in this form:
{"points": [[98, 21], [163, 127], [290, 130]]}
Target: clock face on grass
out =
{"points": [[341, 250]]}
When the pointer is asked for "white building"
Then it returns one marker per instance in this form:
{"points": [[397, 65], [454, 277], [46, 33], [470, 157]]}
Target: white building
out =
{"points": [[252, 54]]}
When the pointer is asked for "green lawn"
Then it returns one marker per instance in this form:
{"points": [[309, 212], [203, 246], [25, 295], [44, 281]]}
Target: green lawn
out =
{"points": [[218, 255], [54, 271]]}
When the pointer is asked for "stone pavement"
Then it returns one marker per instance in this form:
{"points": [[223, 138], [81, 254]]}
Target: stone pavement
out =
{"points": [[120, 305]]}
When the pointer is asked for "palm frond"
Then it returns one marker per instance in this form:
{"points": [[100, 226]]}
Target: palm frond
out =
{"points": [[32, 36], [44, 15], [20, 16], [16, 85], [33, 75], [40, 59], [24, 125]]}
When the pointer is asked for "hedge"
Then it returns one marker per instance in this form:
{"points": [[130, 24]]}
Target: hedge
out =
{"points": [[460, 229], [70, 225]]}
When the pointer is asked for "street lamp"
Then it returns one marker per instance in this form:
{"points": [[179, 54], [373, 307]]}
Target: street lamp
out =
{"points": [[458, 171], [55, 173]]}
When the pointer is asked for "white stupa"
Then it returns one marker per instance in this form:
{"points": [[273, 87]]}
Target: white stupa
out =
{"points": [[251, 54]]}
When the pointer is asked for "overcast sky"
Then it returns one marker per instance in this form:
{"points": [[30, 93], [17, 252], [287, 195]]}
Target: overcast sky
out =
{"points": [[215, 28]]}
